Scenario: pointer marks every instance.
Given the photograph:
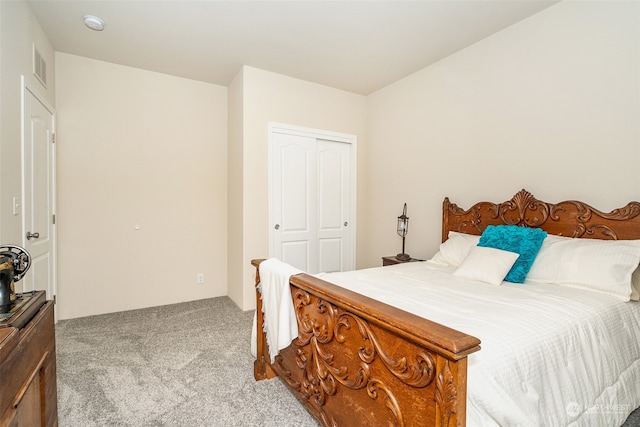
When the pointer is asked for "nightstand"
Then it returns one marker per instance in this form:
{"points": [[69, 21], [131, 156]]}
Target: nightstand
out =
{"points": [[391, 260]]}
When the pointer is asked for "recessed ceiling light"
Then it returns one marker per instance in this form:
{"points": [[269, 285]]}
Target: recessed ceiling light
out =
{"points": [[93, 22]]}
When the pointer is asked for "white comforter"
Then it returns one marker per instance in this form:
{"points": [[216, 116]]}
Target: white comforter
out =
{"points": [[551, 355]]}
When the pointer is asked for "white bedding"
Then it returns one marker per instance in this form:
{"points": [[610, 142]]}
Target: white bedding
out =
{"points": [[550, 356]]}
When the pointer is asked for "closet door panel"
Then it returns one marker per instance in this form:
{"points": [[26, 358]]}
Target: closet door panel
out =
{"points": [[294, 200]]}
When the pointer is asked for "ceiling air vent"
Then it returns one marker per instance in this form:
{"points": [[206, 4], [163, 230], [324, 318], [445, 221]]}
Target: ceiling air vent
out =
{"points": [[39, 67]]}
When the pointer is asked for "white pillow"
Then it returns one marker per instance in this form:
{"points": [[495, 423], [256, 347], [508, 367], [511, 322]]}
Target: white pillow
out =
{"points": [[453, 250], [599, 265], [488, 265]]}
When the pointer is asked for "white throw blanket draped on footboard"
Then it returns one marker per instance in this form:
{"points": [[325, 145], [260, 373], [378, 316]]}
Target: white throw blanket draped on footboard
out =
{"points": [[280, 323]]}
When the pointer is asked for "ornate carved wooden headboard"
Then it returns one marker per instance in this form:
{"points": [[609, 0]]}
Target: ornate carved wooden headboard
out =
{"points": [[569, 218]]}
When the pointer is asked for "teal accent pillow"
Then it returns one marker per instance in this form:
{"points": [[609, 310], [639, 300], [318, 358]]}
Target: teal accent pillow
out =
{"points": [[512, 238]]}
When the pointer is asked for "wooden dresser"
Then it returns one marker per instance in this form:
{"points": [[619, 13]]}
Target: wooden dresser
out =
{"points": [[28, 395]]}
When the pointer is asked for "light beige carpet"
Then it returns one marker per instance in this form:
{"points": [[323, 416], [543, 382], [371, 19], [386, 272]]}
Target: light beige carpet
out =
{"points": [[186, 364]]}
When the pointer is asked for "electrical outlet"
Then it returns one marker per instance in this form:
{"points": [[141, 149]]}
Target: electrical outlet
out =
{"points": [[200, 278]]}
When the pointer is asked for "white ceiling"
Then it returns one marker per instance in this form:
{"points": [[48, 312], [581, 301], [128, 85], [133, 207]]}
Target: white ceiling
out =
{"points": [[358, 46]]}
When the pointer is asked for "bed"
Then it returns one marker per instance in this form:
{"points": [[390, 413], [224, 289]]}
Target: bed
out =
{"points": [[362, 356]]}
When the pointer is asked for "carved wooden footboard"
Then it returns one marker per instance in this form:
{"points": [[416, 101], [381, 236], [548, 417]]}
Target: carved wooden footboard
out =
{"points": [[357, 361]]}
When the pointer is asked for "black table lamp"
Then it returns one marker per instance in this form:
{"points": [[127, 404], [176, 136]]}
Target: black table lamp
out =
{"points": [[403, 228]]}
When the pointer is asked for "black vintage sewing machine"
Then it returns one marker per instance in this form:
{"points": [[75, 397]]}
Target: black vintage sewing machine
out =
{"points": [[14, 264]]}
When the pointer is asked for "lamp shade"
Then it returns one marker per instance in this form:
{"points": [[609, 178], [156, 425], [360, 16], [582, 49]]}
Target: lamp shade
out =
{"points": [[403, 223]]}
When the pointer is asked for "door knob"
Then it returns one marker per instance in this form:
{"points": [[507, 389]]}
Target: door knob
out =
{"points": [[31, 235], [277, 227]]}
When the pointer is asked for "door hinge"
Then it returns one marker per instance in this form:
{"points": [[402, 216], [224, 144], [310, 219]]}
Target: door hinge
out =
{"points": [[53, 138], [54, 219], [54, 299]]}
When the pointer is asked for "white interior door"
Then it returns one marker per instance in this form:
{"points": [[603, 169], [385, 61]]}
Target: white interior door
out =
{"points": [[38, 199], [312, 200]]}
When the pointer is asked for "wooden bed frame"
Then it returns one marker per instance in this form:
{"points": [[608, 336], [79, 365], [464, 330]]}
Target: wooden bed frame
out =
{"points": [[358, 361]]}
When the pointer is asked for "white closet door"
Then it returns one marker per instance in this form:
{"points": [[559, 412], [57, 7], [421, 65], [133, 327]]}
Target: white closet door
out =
{"points": [[310, 202], [334, 177], [294, 201]]}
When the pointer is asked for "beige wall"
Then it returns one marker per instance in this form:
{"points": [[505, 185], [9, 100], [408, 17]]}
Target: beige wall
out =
{"points": [[551, 104], [19, 31], [138, 149], [273, 97], [235, 165], [137, 192]]}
